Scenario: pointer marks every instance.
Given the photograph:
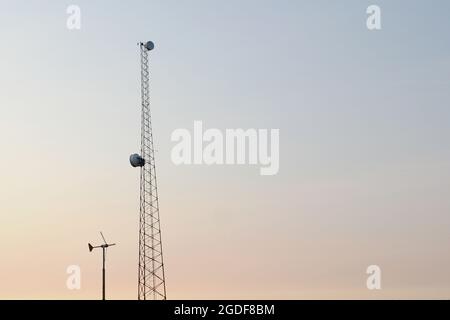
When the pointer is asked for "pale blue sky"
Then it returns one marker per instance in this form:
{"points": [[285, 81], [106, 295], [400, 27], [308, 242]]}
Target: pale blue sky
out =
{"points": [[364, 126]]}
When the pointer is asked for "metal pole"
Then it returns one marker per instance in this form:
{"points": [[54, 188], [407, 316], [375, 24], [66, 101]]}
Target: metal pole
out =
{"points": [[103, 291]]}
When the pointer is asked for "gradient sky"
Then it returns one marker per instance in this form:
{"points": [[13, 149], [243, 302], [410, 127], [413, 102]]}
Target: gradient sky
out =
{"points": [[364, 147]]}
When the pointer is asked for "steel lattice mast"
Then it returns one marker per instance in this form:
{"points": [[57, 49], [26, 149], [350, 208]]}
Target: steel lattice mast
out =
{"points": [[151, 281]]}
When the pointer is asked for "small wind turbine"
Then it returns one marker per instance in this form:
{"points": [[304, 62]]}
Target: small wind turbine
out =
{"points": [[103, 246]]}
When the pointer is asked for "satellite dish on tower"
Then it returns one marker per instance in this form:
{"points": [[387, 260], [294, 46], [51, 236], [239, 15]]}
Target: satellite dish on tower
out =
{"points": [[149, 45], [136, 160]]}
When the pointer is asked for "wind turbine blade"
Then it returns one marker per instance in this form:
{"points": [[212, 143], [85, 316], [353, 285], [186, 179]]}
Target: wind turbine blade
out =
{"points": [[103, 237]]}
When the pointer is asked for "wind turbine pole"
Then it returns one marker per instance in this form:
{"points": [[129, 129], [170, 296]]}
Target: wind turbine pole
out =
{"points": [[103, 293]]}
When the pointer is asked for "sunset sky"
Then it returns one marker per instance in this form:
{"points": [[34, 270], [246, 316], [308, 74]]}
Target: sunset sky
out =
{"points": [[364, 122]]}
